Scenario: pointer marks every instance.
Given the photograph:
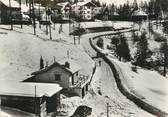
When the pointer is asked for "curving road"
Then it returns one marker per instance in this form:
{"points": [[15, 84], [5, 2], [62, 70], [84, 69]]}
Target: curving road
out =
{"points": [[104, 86]]}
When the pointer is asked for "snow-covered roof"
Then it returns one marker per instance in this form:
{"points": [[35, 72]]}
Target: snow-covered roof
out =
{"points": [[63, 4], [28, 89], [14, 3], [83, 3], [24, 8], [139, 12], [73, 67]]}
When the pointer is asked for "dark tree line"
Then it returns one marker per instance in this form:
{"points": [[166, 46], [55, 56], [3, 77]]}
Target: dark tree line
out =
{"points": [[122, 48]]}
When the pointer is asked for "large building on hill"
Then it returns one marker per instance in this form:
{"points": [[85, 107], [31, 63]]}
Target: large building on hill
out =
{"points": [[84, 10]]}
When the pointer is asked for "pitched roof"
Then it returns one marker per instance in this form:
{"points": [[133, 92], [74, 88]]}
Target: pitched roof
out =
{"points": [[63, 4], [14, 3], [83, 3], [28, 89], [139, 12], [72, 69]]}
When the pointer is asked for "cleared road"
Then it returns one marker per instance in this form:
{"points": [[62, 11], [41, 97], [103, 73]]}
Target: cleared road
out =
{"points": [[104, 86]]}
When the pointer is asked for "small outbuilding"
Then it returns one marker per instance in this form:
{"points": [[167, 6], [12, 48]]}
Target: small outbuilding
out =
{"points": [[36, 98], [9, 11]]}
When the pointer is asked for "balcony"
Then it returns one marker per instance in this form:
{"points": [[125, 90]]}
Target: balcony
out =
{"points": [[82, 79]]}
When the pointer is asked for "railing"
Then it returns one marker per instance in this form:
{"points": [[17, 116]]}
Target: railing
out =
{"points": [[81, 80]]}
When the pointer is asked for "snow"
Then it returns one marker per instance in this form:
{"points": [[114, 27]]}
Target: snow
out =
{"points": [[20, 52], [139, 12], [28, 89], [73, 66], [114, 24], [150, 86], [10, 112], [14, 4]]}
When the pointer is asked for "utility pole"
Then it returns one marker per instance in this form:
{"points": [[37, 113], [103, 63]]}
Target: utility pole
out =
{"points": [[50, 30], [69, 20], [46, 21], [108, 106], [20, 13], [35, 111], [10, 19], [34, 21], [79, 36], [39, 14], [30, 11]]}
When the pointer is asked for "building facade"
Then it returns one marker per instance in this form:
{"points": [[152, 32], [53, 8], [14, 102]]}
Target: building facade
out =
{"points": [[35, 98], [85, 10], [65, 73]]}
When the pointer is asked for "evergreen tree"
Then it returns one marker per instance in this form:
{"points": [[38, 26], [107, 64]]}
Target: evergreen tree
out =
{"points": [[142, 50], [100, 43], [122, 49], [135, 37], [164, 51]]}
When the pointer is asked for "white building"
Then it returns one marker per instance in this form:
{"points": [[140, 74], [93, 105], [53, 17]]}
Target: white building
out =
{"points": [[85, 10], [65, 10]]}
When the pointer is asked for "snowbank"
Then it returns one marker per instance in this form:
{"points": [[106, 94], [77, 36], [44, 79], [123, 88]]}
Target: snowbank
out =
{"points": [[146, 88], [150, 86]]}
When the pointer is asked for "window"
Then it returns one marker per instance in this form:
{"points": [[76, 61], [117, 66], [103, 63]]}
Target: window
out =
{"points": [[88, 11], [57, 77]]}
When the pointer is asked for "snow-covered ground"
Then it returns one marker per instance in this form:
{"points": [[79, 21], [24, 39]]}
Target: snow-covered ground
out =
{"points": [[9, 112], [104, 90], [20, 52], [148, 85]]}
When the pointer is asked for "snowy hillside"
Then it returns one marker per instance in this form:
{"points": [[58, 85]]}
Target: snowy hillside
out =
{"points": [[150, 86], [20, 53]]}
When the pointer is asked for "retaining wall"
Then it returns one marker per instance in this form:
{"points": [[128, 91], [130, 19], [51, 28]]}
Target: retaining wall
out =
{"points": [[145, 106]]}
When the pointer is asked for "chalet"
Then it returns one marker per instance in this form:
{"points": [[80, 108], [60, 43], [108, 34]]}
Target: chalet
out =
{"points": [[85, 10], [65, 73], [7, 9], [139, 15], [65, 10], [36, 98]]}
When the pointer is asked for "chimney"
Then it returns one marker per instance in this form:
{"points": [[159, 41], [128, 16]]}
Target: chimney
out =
{"points": [[46, 64], [41, 63], [67, 65]]}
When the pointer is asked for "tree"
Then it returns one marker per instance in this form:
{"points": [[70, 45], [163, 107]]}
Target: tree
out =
{"points": [[115, 40], [142, 50], [122, 48], [100, 43], [164, 51], [135, 37]]}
